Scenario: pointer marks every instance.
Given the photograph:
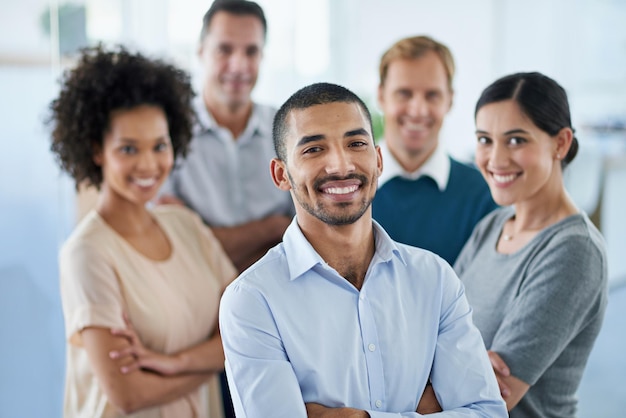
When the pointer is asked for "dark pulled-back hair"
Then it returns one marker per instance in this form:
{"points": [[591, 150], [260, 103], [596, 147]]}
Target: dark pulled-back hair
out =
{"points": [[235, 7], [105, 81], [311, 95], [541, 98]]}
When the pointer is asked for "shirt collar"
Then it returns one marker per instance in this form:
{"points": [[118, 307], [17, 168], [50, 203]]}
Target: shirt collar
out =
{"points": [[206, 121], [302, 257], [437, 167]]}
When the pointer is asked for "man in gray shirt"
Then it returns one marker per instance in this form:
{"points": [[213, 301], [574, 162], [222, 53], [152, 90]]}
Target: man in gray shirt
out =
{"points": [[225, 177]]}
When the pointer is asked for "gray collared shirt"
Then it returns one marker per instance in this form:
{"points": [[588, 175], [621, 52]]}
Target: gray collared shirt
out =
{"points": [[228, 181]]}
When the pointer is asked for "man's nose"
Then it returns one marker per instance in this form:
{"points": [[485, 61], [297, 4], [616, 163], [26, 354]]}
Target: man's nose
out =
{"points": [[339, 162], [238, 61], [418, 106]]}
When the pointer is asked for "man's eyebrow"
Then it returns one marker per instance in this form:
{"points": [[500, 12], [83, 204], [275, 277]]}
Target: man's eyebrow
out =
{"points": [[357, 132], [310, 138]]}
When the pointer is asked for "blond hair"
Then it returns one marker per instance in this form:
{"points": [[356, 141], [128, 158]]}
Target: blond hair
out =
{"points": [[415, 47]]}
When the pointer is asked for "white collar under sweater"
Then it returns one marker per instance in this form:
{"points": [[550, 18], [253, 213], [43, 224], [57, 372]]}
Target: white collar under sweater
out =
{"points": [[437, 167]]}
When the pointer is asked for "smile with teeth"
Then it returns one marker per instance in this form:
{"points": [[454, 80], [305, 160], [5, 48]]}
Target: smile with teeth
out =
{"points": [[412, 126], [504, 178], [341, 190], [145, 182]]}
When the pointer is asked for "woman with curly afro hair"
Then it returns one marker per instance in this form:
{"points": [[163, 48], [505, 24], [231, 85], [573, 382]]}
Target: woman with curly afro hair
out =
{"points": [[140, 287]]}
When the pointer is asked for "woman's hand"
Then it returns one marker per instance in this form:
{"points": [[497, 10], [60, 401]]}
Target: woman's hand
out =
{"points": [[512, 389], [143, 358], [501, 370]]}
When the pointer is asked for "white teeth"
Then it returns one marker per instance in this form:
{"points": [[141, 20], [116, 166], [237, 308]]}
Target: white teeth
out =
{"points": [[341, 190], [415, 126], [145, 182], [504, 179]]}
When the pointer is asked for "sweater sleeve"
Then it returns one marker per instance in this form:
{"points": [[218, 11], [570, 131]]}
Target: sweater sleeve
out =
{"points": [[559, 295]]}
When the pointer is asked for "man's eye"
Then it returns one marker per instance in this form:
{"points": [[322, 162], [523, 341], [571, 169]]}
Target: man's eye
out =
{"points": [[403, 94], [433, 95], [225, 50], [358, 144], [312, 150]]}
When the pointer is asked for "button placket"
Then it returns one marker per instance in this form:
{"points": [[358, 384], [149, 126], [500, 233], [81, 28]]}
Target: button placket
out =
{"points": [[373, 357]]}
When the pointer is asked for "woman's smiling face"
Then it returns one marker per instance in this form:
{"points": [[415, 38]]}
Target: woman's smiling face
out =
{"points": [[136, 155], [517, 159]]}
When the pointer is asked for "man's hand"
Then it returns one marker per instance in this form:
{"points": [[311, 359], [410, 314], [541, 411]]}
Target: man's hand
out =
{"points": [[315, 410], [428, 404]]}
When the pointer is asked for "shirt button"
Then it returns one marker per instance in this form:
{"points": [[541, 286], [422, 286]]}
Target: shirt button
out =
{"points": [[379, 403], [371, 347]]}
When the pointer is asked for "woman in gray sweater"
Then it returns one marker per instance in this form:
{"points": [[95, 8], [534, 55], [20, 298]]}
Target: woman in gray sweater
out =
{"points": [[535, 270]]}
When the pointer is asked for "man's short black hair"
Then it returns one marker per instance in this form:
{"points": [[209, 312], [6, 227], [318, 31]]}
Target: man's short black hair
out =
{"points": [[235, 7], [311, 95]]}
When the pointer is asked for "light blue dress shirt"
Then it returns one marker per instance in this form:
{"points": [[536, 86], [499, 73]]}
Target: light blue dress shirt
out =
{"points": [[295, 331]]}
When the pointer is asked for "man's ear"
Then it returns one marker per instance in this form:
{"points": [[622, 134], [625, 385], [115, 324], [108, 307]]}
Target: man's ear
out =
{"points": [[199, 50], [451, 99], [279, 174], [380, 96]]}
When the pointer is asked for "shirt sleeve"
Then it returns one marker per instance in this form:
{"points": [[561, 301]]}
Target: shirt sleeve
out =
{"points": [[462, 375], [559, 295], [90, 291], [256, 359]]}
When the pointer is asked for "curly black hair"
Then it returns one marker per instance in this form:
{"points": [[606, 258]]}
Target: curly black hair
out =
{"points": [[105, 81]]}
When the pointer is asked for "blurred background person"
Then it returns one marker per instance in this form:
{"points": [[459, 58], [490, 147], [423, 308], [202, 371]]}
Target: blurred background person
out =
{"points": [[225, 178], [119, 122], [426, 199]]}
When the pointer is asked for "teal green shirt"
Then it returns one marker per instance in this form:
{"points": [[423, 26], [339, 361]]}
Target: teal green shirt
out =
{"points": [[418, 213]]}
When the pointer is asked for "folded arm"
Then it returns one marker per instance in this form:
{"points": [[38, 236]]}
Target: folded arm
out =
{"points": [[130, 392], [205, 357], [511, 388], [560, 294], [462, 377]]}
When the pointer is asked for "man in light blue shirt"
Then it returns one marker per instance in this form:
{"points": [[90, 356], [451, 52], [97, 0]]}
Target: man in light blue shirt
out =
{"points": [[339, 320]]}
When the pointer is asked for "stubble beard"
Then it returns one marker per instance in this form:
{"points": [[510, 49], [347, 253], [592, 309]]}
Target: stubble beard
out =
{"points": [[322, 213]]}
